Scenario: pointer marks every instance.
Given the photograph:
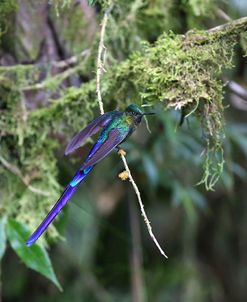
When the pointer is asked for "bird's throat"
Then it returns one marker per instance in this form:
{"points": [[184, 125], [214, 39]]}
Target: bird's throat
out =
{"points": [[129, 119]]}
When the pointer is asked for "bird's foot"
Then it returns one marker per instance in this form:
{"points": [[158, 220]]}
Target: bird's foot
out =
{"points": [[121, 152]]}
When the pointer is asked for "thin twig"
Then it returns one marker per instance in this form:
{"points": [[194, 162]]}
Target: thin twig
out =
{"points": [[72, 60], [238, 25], [100, 68], [138, 194], [240, 102], [223, 15], [65, 70], [58, 64], [13, 169], [237, 89], [58, 77]]}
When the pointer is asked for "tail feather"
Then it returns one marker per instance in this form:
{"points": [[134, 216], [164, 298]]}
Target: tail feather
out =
{"points": [[67, 194]]}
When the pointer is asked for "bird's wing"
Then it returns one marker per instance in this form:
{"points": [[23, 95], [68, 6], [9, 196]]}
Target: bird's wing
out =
{"points": [[115, 137], [100, 122]]}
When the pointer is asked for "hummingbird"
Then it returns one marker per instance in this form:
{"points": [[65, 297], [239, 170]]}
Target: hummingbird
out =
{"points": [[116, 127]]}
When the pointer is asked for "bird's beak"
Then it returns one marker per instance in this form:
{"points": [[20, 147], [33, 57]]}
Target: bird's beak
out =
{"points": [[149, 113]]}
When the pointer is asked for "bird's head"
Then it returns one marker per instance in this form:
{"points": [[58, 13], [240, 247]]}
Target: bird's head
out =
{"points": [[136, 113]]}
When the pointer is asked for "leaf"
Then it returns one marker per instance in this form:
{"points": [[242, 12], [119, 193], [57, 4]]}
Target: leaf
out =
{"points": [[35, 257], [2, 236]]}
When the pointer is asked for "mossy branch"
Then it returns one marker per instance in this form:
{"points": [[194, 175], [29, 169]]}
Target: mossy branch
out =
{"points": [[24, 178], [178, 70], [233, 27], [219, 34]]}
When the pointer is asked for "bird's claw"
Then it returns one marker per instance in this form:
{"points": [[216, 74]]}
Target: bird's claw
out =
{"points": [[121, 152]]}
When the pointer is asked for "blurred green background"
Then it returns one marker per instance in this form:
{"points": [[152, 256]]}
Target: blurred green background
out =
{"points": [[99, 248]]}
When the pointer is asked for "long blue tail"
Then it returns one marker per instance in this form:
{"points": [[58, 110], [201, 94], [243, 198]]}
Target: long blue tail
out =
{"points": [[67, 194]]}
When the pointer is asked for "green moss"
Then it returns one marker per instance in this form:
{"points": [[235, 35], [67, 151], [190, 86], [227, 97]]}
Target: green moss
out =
{"points": [[76, 27], [60, 5], [178, 71], [24, 152], [6, 8]]}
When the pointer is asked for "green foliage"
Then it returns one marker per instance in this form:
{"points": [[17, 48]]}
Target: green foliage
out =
{"points": [[34, 257]]}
